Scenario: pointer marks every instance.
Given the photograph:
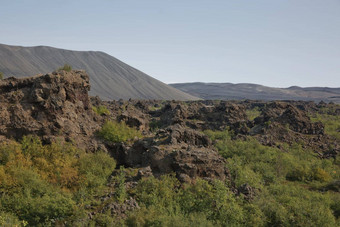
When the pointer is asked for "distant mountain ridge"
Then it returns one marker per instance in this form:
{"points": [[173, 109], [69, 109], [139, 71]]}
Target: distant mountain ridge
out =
{"points": [[110, 78], [228, 91]]}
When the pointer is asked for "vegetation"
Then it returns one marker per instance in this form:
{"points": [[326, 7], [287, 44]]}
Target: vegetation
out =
{"points": [[118, 132], [253, 113], [156, 107], [331, 122], [101, 110], [155, 125], [1, 76], [43, 185], [66, 68], [251, 162], [287, 181], [58, 184]]}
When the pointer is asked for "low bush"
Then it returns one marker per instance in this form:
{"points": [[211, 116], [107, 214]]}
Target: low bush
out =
{"points": [[59, 185], [285, 179], [44, 185], [66, 67], [331, 122], [259, 165], [118, 132], [101, 110], [96, 168], [253, 113], [9, 219], [293, 205]]}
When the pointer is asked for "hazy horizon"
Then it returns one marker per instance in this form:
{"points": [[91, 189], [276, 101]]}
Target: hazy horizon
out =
{"points": [[278, 44]]}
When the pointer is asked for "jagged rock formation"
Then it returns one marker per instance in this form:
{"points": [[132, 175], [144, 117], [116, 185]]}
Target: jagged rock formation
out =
{"points": [[278, 122], [177, 149], [203, 115], [117, 209], [54, 106]]}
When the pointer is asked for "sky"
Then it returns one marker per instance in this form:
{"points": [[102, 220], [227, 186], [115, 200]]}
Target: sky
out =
{"points": [[277, 43]]}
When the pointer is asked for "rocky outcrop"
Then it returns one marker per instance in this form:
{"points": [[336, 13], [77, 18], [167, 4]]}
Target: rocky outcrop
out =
{"points": [[204, 115], [177, 134], [247, 191], [54, 106], [175, 149], [290, 116], [138, 121], [120, 210]]}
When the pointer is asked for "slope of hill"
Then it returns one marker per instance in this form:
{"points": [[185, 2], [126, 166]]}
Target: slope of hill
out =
{"points": [[110, 78], [226, 91]]}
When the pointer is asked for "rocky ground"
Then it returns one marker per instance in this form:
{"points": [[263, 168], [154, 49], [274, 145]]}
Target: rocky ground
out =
{"points": [[56, 107]]}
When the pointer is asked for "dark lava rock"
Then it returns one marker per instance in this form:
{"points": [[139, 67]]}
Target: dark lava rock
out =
{"points": [[54, 106], [174, 150], [119, 210], [247, 191]]}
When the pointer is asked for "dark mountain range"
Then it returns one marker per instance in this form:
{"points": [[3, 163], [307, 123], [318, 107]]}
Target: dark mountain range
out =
{"points": [[228, 91], [110, 78]]}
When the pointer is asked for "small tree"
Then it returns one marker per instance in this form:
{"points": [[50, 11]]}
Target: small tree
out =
{"points": [[66, 67], [1, 76]]}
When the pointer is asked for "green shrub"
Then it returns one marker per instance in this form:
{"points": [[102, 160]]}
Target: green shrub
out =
{"points": [[155, 125], [46, 185], [253, 113], [96, 168], [118, 132], [1, 76], [280, 202], [292, 205], [219, 136], [9, 219], [155, 192], [321, 175], [101, 110], [259, 165], [103, 220], [331, 122], [215, 200], [121, 190], [163, 200], [156, 107], [66, 68], [35, 201], [152, 216], [335, 205], [57, 184]]}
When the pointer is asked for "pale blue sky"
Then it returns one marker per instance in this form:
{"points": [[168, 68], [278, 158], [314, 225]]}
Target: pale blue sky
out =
{"points": [[271, 42]]}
